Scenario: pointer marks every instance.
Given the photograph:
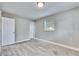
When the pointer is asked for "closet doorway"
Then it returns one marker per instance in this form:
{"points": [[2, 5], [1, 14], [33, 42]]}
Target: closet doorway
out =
{"points": [[8, 31]]}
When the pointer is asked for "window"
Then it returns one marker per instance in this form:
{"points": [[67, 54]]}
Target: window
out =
{"points": [[49, 25]]}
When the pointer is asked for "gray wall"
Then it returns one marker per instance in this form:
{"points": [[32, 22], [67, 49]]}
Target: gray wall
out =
{"points": [[22, 29], [0, 29], [67, 28], [22, 26]]}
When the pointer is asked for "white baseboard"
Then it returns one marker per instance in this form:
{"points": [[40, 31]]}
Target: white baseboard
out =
{"points": [[22, 41], [58, 44], [18, 42]]}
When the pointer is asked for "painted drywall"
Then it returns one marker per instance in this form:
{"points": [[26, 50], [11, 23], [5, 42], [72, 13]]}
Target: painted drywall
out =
{"points": [[22, 27], [0, 29], [66, 28]]}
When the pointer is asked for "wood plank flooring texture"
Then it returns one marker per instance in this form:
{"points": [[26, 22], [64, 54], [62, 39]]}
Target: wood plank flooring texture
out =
{"points": [[36, 48]]}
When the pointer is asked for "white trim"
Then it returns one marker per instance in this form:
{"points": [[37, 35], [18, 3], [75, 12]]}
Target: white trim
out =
{"points": [[22, 41], [58, 44], [18, 42]]}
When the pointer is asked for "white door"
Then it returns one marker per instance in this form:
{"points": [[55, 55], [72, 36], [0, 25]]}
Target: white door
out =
{"points": [[32, 30], [8, 31]]}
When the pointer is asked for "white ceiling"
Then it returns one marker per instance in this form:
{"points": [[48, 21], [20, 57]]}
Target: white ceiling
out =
{"points": [[31, 11]]}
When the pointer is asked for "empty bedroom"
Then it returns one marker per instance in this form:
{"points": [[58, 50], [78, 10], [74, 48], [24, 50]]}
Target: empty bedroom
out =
{"points": [[39, 28]]}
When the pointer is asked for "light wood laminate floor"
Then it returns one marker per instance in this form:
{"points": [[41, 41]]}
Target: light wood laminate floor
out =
{"points": [[36, 48]]}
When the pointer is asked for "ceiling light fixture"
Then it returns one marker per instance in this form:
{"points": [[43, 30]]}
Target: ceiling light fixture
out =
{"points": [[40, 4]]}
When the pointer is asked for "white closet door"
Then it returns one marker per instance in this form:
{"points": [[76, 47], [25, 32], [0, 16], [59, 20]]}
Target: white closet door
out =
{"points": [[8, 31], [32, 30]]}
